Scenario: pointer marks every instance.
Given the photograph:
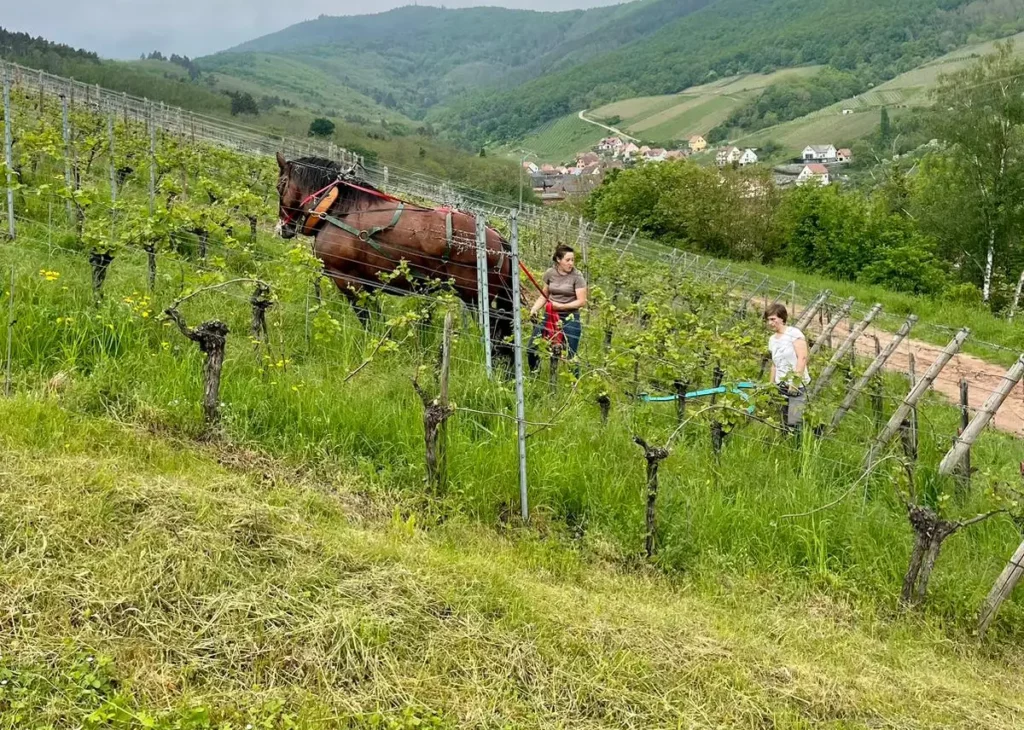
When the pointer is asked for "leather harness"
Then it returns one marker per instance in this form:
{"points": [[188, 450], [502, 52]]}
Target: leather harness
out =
{"points": [[318, 215]]}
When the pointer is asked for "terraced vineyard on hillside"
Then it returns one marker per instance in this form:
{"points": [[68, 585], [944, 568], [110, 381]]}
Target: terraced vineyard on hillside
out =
{"points": [[121, 228]]}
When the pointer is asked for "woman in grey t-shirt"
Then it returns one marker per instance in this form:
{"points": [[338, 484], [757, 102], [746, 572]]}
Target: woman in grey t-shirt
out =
{"points": [[563, 296]]}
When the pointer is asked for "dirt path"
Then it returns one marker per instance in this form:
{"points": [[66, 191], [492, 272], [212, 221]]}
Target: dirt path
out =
{"points": [[613, 130], [982, 377]]}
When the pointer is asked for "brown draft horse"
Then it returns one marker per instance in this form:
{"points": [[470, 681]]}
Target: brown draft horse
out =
{"points": [[360, 232]]}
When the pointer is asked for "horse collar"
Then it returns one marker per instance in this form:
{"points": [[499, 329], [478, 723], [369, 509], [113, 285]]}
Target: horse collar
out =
{"points": [[315, 217]]}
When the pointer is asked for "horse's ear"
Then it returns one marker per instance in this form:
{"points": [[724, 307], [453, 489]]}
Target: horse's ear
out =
{"points": [[282, 163]]}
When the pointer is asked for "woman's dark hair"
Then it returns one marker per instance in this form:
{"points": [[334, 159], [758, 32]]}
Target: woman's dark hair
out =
{"points": [[777, 310], [560, 253]]}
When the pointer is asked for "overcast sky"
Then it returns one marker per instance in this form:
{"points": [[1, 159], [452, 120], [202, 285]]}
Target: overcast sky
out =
{"points": [[126, 28]]}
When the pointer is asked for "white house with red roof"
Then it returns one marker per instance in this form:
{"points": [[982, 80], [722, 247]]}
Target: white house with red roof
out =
{"points": [[814, 173], [844, 155]]}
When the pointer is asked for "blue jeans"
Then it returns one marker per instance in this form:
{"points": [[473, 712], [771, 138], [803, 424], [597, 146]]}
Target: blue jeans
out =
{"points": [[572, 331]]}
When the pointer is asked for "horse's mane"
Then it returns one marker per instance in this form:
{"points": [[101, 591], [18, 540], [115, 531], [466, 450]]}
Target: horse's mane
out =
{"points": [[319, 172]]}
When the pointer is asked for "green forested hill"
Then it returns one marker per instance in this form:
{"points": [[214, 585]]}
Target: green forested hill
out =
{"points": [[483, 76], [415, 58], [873, 39]]}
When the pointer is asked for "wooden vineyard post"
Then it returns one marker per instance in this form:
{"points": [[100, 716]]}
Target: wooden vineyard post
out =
{"points": [[745, 304], [436, 412], [908, 429], [877, 404], [483, 298], [843, 351], [628, 243], [1001, 590], [962, 444], [910, 402], [654, 456], [963, 469], [212, 339], [8, 151], [834, 320], [815, 306], [881, 357], [737, 284], [517, 334], [721, 274]]}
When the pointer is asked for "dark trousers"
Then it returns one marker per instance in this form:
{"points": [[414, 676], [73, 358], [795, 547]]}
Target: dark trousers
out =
{"points": [[793, 407], [572, 331]]}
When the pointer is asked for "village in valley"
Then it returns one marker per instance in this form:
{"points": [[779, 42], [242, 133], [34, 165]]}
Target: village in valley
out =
{"points": [[817, 165]]}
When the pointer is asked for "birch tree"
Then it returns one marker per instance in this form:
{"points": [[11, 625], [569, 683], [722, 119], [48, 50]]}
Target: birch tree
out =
{"points": [[980, 112]]}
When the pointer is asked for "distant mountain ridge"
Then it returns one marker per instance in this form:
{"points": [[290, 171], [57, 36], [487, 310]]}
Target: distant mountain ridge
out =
{"points": [[874, 39], [415, 58]]}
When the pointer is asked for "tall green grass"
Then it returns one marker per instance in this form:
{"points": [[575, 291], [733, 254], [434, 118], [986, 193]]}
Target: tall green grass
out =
{"points": [[717, 515]]}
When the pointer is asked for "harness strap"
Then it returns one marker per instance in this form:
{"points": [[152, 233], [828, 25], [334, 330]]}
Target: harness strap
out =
{"points": [[367, 235]]}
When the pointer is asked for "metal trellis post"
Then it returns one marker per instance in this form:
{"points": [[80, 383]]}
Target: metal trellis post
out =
{"points": [[8, 152], [517, 329]]}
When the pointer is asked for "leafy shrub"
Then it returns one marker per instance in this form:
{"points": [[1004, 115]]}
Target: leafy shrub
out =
{"points": [[911, 269]]}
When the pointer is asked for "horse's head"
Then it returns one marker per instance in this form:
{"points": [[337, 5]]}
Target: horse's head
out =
{"points": [[300, 185], [290, 197]]}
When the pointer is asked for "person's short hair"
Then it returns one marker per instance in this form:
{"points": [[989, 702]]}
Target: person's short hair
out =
{"points": [[777, 310], [560, 253]]}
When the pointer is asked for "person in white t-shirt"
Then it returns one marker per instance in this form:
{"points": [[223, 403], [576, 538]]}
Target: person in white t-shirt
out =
{"points": [[788, 347]]}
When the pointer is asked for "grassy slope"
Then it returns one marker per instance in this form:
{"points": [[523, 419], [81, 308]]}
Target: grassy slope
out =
{"points": [[901, 95], [694, 111], [659, 119], [560, 141], [697, 109], [218, 584], [261, 74]]}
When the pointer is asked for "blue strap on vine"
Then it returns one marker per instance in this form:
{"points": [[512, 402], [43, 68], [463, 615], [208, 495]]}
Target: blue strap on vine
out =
{"points": [[736, 389]]}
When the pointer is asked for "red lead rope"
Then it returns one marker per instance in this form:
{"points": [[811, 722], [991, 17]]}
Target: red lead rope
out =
{"points": [[552, 331]]}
